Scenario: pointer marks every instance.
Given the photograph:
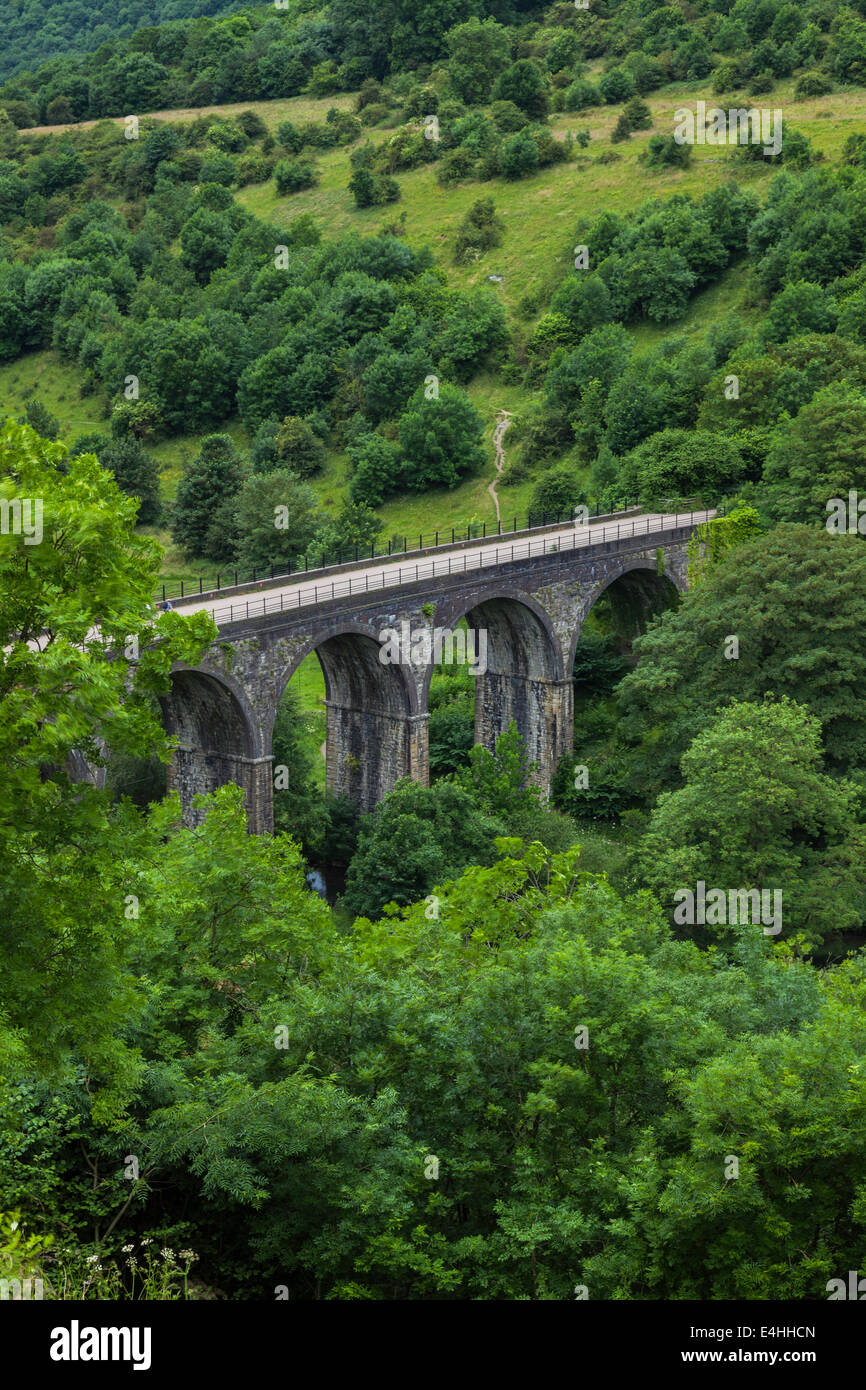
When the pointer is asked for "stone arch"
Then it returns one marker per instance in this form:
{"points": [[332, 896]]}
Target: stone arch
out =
{"points": [[337, 634], [78, 769], [375, 732], [219, 740], [517, 626], [638, 566], [524, 678]]}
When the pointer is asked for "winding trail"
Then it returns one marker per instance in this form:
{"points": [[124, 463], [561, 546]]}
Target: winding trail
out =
{"points": [[498, 434]]}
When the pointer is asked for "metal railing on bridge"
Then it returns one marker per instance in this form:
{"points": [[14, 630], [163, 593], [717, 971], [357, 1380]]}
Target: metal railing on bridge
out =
{"points": [[394, 575], [384, 550]]}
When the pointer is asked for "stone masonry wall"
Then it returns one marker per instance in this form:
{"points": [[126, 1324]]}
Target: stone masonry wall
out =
{"points": [[377, 714]]}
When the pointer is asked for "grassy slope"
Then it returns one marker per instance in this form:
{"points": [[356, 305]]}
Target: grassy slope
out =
{"points": [[541, 215], [288, 108], [308, 683]]}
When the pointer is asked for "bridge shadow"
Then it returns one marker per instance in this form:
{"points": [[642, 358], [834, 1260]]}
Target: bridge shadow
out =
{"points": [[523, 677], [603, 651], [218, 741], [373, 735]]}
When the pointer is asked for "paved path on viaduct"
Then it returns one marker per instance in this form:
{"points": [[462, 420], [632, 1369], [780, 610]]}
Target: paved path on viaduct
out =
{"points": [[528, 594]]}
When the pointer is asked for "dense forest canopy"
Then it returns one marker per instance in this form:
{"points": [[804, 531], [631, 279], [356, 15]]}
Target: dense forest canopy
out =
{"points": [[267, 52], [37, 30]]}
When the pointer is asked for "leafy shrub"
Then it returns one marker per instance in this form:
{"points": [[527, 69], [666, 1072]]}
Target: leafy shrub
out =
{"points": [[812, 84], [347, 126], [518, 155], [371, 91], [218, 168], [760, 84], [252, 125], [581, 95], [478, 232], [638, 114], [455, 165], [298, 448], [291, 175], [726, 78], [376, 469], [374, 113], [290, 137], [622, 129], [228, 137], [320, 137], [556, 494], [254, 168], [617, 85], [681, 463], [421, 102], [507, 117], [525, 85], [440, 440], [665, 150]]}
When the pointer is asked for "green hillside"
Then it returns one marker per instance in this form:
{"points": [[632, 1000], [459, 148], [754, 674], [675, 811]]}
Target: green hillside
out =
{"points": [[541, 216], [542, 213]]}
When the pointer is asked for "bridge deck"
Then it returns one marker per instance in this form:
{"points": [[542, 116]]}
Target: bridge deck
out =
{"points": [[300, 591]]}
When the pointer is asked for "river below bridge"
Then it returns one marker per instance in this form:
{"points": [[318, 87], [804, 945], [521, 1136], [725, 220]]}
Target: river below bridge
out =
{"points": [[328, 880]]}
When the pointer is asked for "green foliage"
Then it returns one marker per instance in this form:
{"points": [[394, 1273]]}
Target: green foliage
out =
{"points": [[83, 591], [507, 117], [819, 455], [376, 469], [608, 791], [664, 150], [778, 382], [447, 1026], [518, 155], [617, 85], [298, 807], [290, 137], [473, 333], [355, 529], [417, 838], [207, 484], [135, 470], [451, 736], [291, 175], [581, 95], [478, 52], [812, 84], [41, 420], [524, 84], [638, 114], [798, 309], [275, 519], [711, 540], [622, 129], [556, 494], [369, 186], [143, 780], [440, 440], [585, 303], [298, 448], [789, 598], [682, 463], [757, 811], [479, 231]]}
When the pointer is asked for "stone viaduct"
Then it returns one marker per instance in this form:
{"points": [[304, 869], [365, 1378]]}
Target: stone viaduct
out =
{"points": [[529, 592]]}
